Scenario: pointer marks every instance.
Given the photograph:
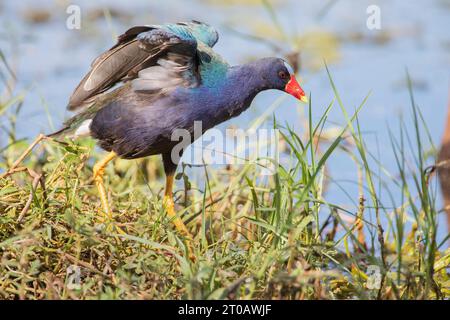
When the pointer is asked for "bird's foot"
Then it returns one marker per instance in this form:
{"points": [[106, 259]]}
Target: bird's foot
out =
{"points": [[111, 226], [98, 172], [180, 226]]}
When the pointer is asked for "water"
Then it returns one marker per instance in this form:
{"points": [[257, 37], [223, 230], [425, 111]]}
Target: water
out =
{"points": [[51, 59]]}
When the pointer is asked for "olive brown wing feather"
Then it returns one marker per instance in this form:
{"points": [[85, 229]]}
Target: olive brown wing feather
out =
{"points": [[148, 52]]}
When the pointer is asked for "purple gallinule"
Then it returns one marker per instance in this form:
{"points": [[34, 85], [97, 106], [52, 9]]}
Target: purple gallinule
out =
{"points": [[168, 77]]}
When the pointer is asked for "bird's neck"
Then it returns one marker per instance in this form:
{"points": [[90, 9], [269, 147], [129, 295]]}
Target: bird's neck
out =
{"points": [[227, 98], [237, 92]]}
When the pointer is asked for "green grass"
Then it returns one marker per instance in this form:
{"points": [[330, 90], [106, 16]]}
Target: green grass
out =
{"points": [[274, 238]]}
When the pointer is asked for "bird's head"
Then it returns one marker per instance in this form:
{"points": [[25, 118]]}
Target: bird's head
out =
{"points": [[278, 74]]}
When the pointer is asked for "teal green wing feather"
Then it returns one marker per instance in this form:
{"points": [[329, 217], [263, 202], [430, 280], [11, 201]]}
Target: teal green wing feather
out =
{"points": [[212, 67], [198, 30]]}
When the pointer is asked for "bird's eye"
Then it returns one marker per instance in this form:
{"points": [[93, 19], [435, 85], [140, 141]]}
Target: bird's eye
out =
{"points": [[283, 75]]}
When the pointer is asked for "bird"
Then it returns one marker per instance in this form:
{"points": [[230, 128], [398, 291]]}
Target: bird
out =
{"points": [[156, 79]]}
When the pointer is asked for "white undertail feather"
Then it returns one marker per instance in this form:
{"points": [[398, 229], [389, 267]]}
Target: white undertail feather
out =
{"points": [[84, 129]]}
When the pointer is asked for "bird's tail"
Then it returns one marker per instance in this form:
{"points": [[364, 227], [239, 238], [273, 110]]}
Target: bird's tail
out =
{"points": [[59, 133]]}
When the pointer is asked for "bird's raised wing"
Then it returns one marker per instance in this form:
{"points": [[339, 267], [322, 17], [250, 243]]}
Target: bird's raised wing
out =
{"points": [[155, 58]]}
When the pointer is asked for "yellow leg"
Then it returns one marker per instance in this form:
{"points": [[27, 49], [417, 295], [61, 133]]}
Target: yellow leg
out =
{"points": [[99, 170], [169, 206], [179, 225]]}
